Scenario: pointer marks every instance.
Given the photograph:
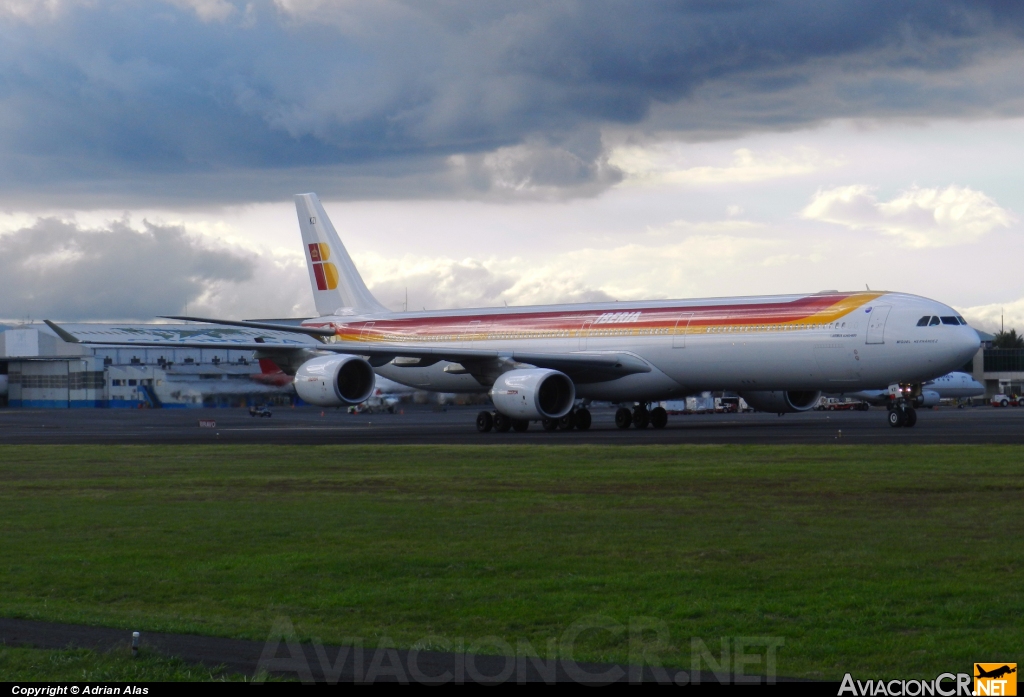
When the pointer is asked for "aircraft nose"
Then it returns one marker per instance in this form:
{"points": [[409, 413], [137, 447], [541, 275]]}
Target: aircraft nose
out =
{"points": [[969, 341]]}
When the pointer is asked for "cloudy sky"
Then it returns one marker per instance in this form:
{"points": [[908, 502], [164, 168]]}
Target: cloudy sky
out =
{"points": [[475, 153]]}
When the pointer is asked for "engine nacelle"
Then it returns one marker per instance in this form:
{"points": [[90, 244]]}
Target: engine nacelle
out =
{"points": [[781, 402], [335, 381], [927, 398], [533, 393]]}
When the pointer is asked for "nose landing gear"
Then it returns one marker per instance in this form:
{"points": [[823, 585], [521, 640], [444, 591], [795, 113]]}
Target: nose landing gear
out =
{"points": [[903, 416], [901, 410]]}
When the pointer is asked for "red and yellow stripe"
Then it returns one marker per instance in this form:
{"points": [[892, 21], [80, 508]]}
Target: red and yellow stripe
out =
{"points": [[805, 312]]}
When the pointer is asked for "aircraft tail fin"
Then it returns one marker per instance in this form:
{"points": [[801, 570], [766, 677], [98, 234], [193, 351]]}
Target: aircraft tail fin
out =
{"points": [[336, 283], [268, 367]]}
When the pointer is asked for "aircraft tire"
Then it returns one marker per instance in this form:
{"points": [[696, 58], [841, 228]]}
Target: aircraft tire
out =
{"points": [[549, 424], [484, 422], [623, 418], [897, 418], [567, 422], [659, 417], [583, 419], [502, 423], [641, 418], [911, 418], [520, 425]]}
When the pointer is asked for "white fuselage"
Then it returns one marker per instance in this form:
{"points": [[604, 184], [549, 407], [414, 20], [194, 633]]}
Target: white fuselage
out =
{"points": [[955, 386], [833, 342]]}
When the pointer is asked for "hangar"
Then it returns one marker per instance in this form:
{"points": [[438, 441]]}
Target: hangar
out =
{"points": [[39, 370]]}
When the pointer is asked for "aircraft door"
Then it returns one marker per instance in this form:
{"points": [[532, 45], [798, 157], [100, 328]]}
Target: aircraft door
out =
{"points": [[584, 331], [366, 334], [876, 324], [682, 326], [472, 332]]}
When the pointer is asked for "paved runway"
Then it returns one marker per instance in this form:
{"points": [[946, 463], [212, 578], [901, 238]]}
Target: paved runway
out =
{"points": [[423, 424], [336, 664]]}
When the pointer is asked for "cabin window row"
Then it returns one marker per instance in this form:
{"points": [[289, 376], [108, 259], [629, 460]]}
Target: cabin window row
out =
{"points": [[555, 334], [728, 329]]}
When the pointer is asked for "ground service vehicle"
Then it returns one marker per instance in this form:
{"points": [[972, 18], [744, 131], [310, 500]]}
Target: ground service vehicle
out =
{"points": [[1003, 400]]}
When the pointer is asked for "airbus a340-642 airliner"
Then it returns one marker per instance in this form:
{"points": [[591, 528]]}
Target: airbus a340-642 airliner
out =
{"points": [[546, 363]]}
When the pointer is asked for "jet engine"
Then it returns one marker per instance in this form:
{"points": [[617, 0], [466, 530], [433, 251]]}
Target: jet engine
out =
{"points": [[781, 402], [533, 393], [927, 398], [335, 381]]}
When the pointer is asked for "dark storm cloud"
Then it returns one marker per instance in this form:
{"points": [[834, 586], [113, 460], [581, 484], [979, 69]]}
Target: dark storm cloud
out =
{"points": [[58, 270], [149, 102]]}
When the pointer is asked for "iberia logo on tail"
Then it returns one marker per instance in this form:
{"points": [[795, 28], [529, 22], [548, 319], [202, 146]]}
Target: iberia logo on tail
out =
{"points": [[326, 273]]}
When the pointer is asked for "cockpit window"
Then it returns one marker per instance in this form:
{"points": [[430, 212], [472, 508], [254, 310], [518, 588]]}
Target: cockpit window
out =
{"points": [[962, 320], [923, 322], [935, 320], [951, 320]]}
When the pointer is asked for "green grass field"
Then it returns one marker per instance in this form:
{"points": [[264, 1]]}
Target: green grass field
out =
{"points": [[81, 665], [883, 561]]}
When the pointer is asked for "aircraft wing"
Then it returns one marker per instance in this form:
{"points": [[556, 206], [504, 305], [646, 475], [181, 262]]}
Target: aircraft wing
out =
{"points": [[583, 366], [257, 344], [293, 328]]}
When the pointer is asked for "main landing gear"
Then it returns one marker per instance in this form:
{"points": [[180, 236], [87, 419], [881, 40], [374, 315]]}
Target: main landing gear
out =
{"points": [[576, 418], [640, 417]]}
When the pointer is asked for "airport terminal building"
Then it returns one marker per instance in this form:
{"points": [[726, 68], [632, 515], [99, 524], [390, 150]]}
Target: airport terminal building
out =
{"points": [[39, 370], [1001, 371]]}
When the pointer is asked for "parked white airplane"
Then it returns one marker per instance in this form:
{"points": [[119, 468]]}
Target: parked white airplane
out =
{"points": [[955, 385], [779, 352]]}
